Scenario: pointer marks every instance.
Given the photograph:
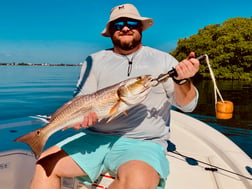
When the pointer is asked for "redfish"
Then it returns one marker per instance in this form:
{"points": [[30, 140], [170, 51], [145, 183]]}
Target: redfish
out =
{"points": [[107, 103]]}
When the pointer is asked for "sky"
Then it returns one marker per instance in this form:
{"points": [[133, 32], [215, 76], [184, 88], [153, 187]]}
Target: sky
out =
{"points": [[67, 31]]}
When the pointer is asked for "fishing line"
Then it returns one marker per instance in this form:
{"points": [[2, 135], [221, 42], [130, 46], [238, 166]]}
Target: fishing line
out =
{"points": [[224, 109], [208, 164], [216, 90]]}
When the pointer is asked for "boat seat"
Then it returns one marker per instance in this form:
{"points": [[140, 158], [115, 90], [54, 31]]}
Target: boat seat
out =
{"points": [[102, 182]]}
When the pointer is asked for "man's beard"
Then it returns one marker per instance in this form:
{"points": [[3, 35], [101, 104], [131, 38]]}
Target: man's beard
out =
{"points": [[127, 46]]}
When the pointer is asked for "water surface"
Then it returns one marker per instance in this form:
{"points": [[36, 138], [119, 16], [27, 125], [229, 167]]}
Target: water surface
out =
{"points": [[32, 90]]}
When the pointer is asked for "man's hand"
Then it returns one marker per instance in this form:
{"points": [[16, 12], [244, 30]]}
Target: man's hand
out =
{"points": [[88, 120], [188, 67]]}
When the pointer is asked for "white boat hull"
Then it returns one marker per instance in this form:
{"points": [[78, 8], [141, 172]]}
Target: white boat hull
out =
{"points": [[199, 156]]}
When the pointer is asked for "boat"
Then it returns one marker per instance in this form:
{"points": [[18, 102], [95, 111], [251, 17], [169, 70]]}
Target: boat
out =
{"points": [[199, 156]]}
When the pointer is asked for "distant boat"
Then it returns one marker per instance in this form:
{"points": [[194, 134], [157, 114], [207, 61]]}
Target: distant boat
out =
{"points": [[200, 157]]}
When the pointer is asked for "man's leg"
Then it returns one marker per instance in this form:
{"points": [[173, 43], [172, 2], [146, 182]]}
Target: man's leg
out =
{"points": [[53, 164], [136, 174]]}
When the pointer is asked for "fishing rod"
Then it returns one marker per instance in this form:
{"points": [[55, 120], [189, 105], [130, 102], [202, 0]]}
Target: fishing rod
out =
{"points": [[211, 167], [173, 73]]}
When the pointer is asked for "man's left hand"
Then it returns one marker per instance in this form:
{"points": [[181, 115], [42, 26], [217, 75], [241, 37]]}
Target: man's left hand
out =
{"points": [[188, 67]]}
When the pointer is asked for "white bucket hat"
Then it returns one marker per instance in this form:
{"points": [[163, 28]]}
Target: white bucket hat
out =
{"points": [[127, 11]]}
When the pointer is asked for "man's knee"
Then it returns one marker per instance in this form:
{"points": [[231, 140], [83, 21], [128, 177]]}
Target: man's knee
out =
{"points": [[50, 158], [138, 174]]}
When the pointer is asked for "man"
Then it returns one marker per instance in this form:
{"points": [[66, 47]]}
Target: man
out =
{"points": [[132, 146]]}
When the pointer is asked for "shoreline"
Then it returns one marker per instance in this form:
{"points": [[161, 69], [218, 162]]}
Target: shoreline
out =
{"points": [[38, 64]]}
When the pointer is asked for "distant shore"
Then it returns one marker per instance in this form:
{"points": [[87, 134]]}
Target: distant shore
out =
{"points": [[38, 64]]}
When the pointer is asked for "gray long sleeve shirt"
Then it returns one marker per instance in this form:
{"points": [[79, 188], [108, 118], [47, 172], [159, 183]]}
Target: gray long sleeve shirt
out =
{"points": [[149, 120]]}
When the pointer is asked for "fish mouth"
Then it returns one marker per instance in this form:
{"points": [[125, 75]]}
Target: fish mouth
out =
{"points": [[149, 82], [147, 85]]}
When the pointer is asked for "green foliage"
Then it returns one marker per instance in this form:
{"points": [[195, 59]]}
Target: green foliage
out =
{"points": [[228, 45]]}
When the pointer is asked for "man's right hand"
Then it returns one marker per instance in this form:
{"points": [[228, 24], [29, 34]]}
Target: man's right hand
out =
{"points": [[89, 120]]}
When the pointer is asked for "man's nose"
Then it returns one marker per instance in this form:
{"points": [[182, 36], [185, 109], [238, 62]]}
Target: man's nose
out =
{"points": [[125, 28]]}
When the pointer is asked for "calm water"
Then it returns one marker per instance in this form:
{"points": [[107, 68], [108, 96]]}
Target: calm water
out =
{"points": [[31, 90], [239, 128]]}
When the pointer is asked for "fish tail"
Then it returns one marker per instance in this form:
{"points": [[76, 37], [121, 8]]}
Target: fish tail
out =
{"points": [[35, 139]]}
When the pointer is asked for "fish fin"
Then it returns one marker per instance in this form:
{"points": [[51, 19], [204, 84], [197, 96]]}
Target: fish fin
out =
{"points": [[126, 112], [115, 113], [112, 117], [114, 108], [35, 139]]}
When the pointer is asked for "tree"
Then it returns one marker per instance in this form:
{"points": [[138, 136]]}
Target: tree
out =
{"points": [[228, 45]]}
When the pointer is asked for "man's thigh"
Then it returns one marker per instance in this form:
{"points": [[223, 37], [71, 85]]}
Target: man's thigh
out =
{"points": [[88, 150], [55, 161], [125, 150]]}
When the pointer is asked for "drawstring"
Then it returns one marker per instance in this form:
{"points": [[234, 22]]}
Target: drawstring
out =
{"points": [[130, 62], [129, 67]]}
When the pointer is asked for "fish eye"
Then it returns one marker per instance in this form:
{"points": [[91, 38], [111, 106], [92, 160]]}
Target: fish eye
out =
{"points": [[38, 132]]}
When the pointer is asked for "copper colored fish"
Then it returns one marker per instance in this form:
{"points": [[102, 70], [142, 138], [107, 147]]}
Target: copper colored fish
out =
{"points": [[107, 103]]}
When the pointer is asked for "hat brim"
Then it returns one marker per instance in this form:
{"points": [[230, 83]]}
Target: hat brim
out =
{"points": [[146, 22]]}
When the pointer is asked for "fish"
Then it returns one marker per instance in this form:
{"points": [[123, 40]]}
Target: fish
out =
{"points": [[107, 103]]}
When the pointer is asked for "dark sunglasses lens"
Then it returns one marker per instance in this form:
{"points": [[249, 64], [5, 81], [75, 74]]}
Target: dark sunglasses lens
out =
{"points": [[118, 25], [130, 24]]}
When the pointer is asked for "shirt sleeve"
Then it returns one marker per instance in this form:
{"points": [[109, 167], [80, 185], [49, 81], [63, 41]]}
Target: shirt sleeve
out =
{"points": [[189, 107], [87, 82], [171, 62]]}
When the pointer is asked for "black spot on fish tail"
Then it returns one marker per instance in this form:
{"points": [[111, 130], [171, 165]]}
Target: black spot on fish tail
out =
{"points": [[35, 140]]}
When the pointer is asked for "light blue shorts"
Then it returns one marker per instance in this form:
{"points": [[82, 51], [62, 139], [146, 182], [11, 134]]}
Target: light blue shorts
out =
{"points": [[97, 153]]}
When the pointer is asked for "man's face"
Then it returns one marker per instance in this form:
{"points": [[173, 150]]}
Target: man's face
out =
{"points": [[126, 33]]}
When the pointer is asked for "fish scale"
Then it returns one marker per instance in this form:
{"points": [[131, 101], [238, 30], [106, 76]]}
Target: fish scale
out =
{"points": [[106, 103]]}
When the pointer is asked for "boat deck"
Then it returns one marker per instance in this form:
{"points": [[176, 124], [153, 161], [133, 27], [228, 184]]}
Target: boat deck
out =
{"points": [[200, 157]]}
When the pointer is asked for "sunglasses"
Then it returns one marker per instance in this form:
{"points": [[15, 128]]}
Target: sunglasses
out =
{"points": [[130, 24]]}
